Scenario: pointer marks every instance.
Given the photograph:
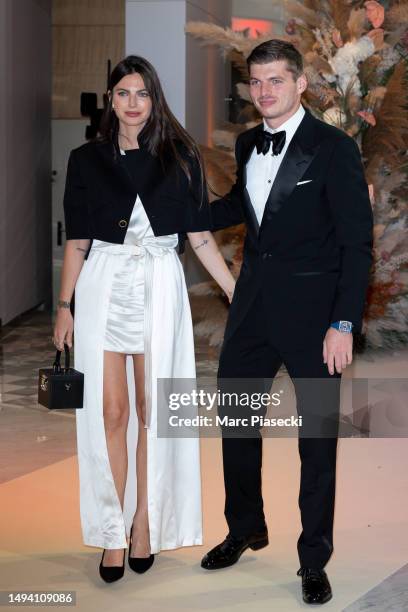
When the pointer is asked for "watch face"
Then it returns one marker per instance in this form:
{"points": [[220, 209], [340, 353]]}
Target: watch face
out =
{"points": [[345, 326]]}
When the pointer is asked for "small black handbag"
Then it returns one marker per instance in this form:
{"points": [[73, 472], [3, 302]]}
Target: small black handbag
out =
{"points": [[61, 387]]}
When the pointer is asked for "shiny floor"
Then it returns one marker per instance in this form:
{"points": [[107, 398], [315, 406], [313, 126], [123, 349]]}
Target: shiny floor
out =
{"points": [[40, 539]]}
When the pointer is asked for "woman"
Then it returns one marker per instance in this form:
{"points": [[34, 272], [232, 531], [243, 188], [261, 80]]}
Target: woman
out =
{"points": [[130, 197]]}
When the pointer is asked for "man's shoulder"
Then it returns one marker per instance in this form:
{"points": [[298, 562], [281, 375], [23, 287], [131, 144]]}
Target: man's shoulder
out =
{"points": [[326, 131]]}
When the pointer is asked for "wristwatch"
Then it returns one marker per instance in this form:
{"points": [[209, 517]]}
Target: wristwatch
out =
{"points": [[343, 326]]}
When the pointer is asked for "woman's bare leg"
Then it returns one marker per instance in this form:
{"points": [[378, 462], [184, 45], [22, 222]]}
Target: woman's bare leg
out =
{"points": [[116, 417], [140, 534]]}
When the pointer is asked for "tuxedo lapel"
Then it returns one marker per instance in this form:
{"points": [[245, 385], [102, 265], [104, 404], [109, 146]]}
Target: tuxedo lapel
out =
{"points": [[300, 152], [251, 211], [249, 147]]}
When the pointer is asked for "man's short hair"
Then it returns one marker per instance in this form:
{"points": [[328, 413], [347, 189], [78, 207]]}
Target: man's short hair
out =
{"points": [[275, 50]]}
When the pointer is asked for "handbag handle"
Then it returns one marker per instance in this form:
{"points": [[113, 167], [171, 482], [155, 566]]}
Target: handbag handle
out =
{"points": [[57, 363]]}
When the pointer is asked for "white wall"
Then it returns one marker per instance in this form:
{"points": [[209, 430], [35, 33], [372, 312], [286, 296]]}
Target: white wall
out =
{"points": [[259, 9], [208, 75], [190, 73], [67, 134], [155, 30]]}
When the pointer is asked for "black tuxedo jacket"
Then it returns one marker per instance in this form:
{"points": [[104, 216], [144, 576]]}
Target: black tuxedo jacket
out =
{"points": [[311, 254], [100, 195]]}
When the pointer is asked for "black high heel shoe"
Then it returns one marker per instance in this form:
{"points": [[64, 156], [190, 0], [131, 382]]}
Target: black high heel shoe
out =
{"points": [[139, 564], [113, 573]]}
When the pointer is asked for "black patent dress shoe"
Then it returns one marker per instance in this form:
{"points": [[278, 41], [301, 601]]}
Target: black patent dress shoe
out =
{"points": [[140, 565], [316, 587], [229, 551], [113, 573]]}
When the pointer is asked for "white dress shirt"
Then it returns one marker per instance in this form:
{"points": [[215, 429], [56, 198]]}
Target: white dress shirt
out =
{"points": [[262, 169]]}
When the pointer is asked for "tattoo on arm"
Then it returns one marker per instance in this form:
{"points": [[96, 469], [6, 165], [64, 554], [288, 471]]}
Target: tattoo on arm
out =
{"points": [[204, 242]]}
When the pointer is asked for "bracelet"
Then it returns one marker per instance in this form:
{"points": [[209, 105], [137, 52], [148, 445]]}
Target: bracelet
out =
{"points": [[63, 304]]}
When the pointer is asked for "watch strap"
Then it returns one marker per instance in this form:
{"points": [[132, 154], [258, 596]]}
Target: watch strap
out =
{"points": [[346, 327]]}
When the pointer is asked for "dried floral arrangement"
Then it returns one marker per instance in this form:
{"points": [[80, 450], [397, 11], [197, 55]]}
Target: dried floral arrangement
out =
{"points": [[356, 61]]}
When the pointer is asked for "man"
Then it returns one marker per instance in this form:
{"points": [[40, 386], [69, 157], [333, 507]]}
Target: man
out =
{"points": [[300, 190]]}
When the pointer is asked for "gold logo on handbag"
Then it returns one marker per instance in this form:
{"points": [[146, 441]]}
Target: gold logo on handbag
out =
{"points": [[61, 387], [44, 382]]}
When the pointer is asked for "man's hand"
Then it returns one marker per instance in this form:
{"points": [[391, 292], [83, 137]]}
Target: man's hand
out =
{"points": [[337, 350]]}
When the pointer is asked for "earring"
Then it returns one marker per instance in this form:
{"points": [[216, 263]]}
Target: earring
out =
{"points": [[113, 106]]}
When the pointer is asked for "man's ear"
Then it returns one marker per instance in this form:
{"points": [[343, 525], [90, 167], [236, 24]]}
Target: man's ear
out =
{"points": [[302, 83]]}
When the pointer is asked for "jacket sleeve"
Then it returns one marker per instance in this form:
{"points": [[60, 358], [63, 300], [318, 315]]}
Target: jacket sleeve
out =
{"points": [[75, 205], [227, 211], [198, 207], [349, 201]]}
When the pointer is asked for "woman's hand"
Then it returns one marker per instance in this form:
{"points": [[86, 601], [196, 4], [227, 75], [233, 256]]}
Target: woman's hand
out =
{"points": [[63, 328]]}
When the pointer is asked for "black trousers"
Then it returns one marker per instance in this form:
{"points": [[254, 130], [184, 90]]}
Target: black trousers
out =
{"points": [[254, 351]]}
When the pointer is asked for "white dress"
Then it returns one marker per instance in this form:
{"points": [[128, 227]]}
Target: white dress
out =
{"points": [[132, 298], [124, 326]]}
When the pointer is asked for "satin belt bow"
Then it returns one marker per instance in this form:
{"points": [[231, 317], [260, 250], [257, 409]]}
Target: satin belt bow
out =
{"points": [[155, 246]]}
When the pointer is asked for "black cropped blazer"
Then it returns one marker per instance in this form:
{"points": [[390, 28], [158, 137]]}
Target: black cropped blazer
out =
{"points": [[100, 195]]}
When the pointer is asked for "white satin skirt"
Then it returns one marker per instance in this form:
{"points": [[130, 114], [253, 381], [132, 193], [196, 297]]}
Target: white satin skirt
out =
{"points": [[173, 464], [125, 322]]}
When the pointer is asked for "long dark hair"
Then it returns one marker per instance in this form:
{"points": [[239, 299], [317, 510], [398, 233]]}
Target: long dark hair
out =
{"points": [[162, 135]]}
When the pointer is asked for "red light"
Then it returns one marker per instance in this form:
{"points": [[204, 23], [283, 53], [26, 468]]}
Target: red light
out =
{"points": [[263, 26]]}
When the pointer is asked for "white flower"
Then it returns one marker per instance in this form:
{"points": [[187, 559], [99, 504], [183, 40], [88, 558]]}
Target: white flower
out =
{"points": [[345, 63], [330, 78], [334, 116], [389, 58]]}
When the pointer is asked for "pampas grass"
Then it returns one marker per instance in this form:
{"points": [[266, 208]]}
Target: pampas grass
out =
{"points": [[220, 166], [340, 15], [390, 135], [301, 11], [396, 15], [225, 38]]}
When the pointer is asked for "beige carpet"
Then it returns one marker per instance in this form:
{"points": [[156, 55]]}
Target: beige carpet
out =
{"points": [[41, 544]]}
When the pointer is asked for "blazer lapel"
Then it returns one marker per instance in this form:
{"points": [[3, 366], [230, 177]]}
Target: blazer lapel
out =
{"points": [[146, 186], [116, 167], [301, 151]]}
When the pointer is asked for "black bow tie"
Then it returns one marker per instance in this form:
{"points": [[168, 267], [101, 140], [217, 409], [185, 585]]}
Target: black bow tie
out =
{"points": [[264, 140]]}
